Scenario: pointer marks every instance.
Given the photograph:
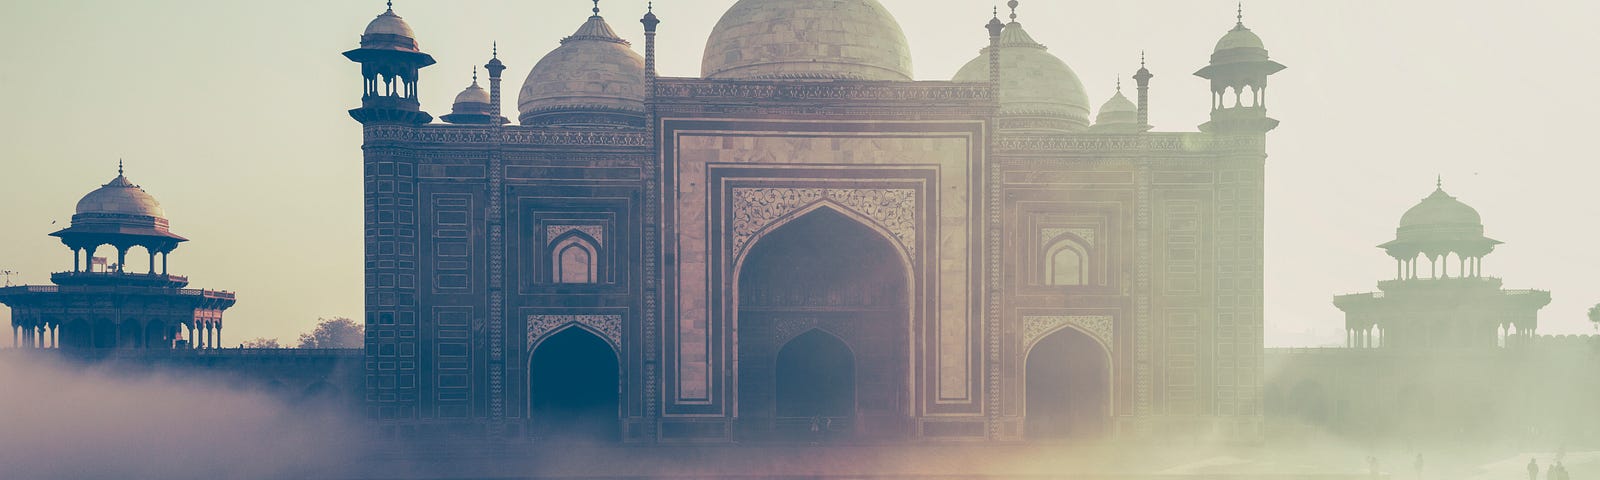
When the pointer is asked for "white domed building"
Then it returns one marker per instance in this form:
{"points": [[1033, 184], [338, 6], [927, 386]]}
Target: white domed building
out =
{"points": [[807, 231]]}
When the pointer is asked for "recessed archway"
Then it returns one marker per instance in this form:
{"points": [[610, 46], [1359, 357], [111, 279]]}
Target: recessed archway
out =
{"points": [[1068, 387], [826, 270], [573, 388]]}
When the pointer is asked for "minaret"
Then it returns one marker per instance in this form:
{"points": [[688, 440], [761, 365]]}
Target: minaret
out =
{"points": [[995, 27], [389, 58], [650, 22], [1143, 77], [495, 68], [1239, 62]]}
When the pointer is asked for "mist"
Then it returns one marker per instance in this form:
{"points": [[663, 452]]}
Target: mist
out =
{"points": [[70, 420]]}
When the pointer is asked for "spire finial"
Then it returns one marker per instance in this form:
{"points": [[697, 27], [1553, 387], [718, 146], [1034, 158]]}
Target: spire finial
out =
{"points": [[1119, 83], [390, 4], [1013, 5], [494, 49], [119, 167], [1141, 58], [474, 74], [1241, 13], [650, 7], [1439, 182], [596, 8], [996, 12]]}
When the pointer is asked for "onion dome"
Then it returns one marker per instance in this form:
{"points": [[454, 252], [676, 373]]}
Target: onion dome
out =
{"points": [[807, 40], [473, 106], [1118, 115], [1440, 224], [1038, 91], [593, 78], [119, 209], [389, 32]]}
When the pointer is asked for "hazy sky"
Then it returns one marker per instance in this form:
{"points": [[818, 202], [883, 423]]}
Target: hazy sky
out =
{"points": [[232, 114]]}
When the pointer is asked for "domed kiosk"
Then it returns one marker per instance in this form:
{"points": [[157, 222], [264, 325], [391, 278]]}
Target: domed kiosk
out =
{"points": [[151, 308]]}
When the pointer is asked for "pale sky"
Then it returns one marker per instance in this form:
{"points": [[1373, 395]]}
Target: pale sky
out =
{"points": [[232, 114]]}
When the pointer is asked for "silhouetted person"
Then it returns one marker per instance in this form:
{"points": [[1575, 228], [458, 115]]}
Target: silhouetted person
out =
{"points": [[1533, 469], [1559, 471], [816, 429]]}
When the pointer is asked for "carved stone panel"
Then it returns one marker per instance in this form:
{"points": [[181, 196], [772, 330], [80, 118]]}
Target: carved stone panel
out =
{"points": [[755, 209], [1097, 326], [609, 326]]}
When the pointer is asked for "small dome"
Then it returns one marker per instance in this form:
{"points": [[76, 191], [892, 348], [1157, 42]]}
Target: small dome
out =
{"points": [[1240, 37], [120, 197], [1440, 209], [388, 23], [473, 94], [1036, 88], [593, 71], [807, 39], [1118, 110]]}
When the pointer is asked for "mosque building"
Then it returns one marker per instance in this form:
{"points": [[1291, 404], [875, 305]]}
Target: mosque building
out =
{"points": [[807, 236]]}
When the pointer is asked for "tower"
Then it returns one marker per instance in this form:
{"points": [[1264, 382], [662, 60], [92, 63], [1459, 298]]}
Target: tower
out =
{"points": [[495, 68], [1143, 77], [389, 58], [1238, 63]]}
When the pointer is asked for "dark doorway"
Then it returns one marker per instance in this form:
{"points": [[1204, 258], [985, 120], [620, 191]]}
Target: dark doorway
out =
{"points": [[816, 377], [821, 275], [573, 388], [1068, 388]]}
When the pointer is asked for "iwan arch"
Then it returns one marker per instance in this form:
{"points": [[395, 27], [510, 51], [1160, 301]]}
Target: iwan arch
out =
{"points": [[807, 236]]}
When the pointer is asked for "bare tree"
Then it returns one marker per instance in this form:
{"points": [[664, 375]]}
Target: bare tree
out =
{"points": [[335, 332], [261, 342]]}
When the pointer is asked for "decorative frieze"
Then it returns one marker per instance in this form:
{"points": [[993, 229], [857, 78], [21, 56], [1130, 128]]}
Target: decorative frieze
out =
{"points": [[1097, 326], [608, 326], [1149, 142], [531, 136], [1046, 235], [755, 209], [597, 232], [698, 89]]}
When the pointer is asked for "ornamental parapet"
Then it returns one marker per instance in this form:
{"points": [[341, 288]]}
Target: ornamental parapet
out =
{"points": [[1166, 142], [844, 91], [489, 135]]}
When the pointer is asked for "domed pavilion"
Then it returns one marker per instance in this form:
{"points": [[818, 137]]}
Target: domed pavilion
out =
{"points": [[102, 304]]}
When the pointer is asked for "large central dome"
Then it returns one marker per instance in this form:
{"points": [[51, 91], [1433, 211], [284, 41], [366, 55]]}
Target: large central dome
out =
{"points": [[807, 40]]}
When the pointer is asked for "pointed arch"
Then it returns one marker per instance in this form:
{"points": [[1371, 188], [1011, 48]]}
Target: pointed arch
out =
{"points": [[1067, 386], [575, 258], [1067, 262], [574, 387], [816, 376], [906, 253]]}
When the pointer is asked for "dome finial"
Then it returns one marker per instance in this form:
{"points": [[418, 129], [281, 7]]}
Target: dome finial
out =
{"points": [[1013, 5], [494, 50], [119, 167], [1439, 182], [474, 75], [1240, 17], [1119, 83], [596, 8], [390, 4], [650, 7], [1141, 59]]}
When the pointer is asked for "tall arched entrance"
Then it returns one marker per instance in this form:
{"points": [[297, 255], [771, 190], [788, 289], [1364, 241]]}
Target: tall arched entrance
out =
{"points": [[1068, 384], [573, 388], [823, 328]]}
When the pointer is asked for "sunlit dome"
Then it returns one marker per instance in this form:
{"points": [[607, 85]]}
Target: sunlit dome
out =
{"points": [[120, 197], [389, 32], [593, 77], [807, 40], [1441, 209], [473, 94]]}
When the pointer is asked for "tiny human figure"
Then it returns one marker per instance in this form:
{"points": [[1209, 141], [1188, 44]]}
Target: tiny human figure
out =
{"points": [[1561, 471], [1533, 469], [816, 429]]}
